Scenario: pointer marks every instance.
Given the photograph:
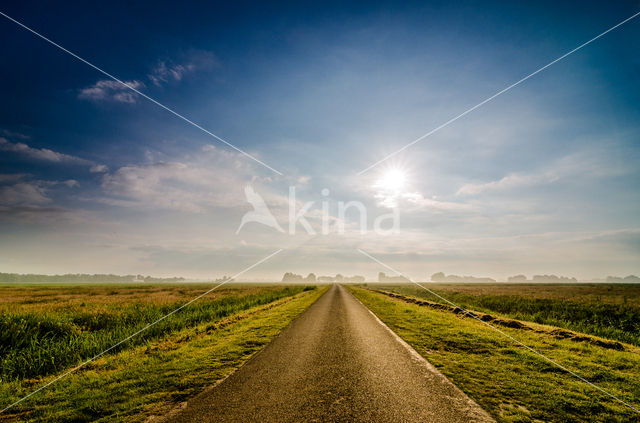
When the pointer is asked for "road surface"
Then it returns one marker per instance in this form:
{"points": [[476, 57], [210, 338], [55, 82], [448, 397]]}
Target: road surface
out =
{"points": [[335, 363]]}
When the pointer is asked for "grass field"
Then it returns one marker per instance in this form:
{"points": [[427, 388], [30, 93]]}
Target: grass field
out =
{"points": [[511, 383], [608, 310], [45, 330]]}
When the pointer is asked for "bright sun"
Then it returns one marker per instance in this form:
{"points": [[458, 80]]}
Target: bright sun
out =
{"points": [[393, 180]]}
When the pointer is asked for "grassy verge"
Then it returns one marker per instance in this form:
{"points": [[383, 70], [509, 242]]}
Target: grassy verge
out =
{"points": [[511, 383], [153, 377], [37, 341], [608, 310]]}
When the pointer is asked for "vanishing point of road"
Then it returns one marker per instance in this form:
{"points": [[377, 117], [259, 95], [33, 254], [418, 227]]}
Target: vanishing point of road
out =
{"points": [[335, 363]]}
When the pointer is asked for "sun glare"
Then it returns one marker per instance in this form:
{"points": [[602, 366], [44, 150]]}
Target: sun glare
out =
{"points": [[393, 180]]}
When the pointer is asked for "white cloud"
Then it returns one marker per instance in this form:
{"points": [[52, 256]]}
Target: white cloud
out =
{"points": [[304, 179], [420, 202], [511, 181], [23, 199], [44, 154], [28, 193], [98, 169], [593, 163], [23, 193], [109, 90], [193, 184], [153, 185], [166, 70], [11, 177], [14, 135], [40, 214], [408, 200]]}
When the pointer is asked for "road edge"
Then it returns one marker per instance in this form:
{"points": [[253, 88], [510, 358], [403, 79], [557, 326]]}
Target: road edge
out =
{"points": [[178, 408], [483, 415]]}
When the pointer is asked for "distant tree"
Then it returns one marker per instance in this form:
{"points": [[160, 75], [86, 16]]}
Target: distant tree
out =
{"points": [[626, 279], [552, 279], [14, 277], [310, 277], [517, 278], [225, 278], [438, 277], [292, 277], [80, 277], [325, 279], [354, 279], [386, 278], [441, 277]]}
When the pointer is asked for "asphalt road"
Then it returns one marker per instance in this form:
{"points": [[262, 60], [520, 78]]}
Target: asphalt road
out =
{"points": [[335, 363]]}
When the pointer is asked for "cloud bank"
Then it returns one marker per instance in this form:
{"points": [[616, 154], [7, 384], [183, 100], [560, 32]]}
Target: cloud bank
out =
{"points": [[43, 154]]}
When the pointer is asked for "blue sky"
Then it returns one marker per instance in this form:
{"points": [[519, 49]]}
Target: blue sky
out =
{"points": [[544, 179]]}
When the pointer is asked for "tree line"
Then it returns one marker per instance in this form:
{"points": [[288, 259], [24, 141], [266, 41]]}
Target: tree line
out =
{"points": [[81, 277]]}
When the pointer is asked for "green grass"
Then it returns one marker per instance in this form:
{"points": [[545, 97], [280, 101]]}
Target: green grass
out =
{"points": [[194, 349], [511, 383], [606, 310], [37, 343]]}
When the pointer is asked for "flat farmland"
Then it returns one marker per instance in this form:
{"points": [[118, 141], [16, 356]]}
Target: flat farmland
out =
{"points": [[509, 381], [46, 330], [610, 311]]}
